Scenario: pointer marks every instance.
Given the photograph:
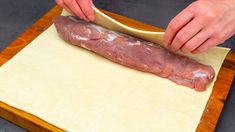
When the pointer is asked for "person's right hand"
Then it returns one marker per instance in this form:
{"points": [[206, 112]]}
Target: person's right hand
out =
{"points": [[80, 8]]}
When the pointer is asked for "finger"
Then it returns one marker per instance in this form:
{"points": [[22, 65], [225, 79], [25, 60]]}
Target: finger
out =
{"points": [[185, 34], [85, 6], [62, 4], [67, 9], [176, 24], [92, 4], [217, 38], [205, 46], [74, 7], [212, 42], [197, 40]]}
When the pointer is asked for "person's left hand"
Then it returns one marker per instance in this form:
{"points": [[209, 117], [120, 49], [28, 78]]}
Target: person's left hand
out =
{"points": [[202, 25]]}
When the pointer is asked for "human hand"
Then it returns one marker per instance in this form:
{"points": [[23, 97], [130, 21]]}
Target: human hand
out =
{"points": [[80, 8], [202, 25]]}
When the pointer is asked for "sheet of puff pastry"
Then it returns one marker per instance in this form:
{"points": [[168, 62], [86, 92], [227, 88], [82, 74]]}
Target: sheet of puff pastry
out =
{"points": [[77, 90], [110, 23]]}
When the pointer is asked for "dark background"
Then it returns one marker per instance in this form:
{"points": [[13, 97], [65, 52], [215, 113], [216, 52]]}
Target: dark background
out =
{"points": [[18, 15]]}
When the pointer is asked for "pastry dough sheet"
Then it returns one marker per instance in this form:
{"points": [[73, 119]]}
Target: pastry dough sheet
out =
{"points": [[110, 23], [77, 90]]}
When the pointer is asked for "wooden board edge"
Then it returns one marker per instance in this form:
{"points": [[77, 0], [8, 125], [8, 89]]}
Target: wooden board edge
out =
{"points": [[19, 117], [31, 33], [25, 120], [216, 100]]}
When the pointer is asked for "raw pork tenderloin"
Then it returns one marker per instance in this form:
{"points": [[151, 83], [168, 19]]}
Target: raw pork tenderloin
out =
{"points": [[135, 53]]}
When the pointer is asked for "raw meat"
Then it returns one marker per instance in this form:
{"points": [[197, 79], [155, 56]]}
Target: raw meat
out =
{"points": [[135, 53]]}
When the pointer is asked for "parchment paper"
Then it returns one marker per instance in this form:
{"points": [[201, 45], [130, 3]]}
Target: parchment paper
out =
{"points": [[77, 90]]}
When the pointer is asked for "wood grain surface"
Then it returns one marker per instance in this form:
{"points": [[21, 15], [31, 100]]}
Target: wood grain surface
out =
{"points": [[30, 122]]}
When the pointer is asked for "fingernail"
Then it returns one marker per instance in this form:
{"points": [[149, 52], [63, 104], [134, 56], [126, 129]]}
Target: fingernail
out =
{"points": [[87, 20], [173, 49], [185, 51], [167, 45], [164, 45], [91, 18], [194, 52]]}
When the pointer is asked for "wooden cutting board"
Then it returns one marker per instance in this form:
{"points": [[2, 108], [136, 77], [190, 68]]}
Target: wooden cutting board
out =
{"points": [[32, 123]]}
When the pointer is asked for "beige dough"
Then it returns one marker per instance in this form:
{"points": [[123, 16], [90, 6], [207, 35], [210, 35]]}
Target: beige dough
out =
{"points": [[108, 22], [77, 90]]}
